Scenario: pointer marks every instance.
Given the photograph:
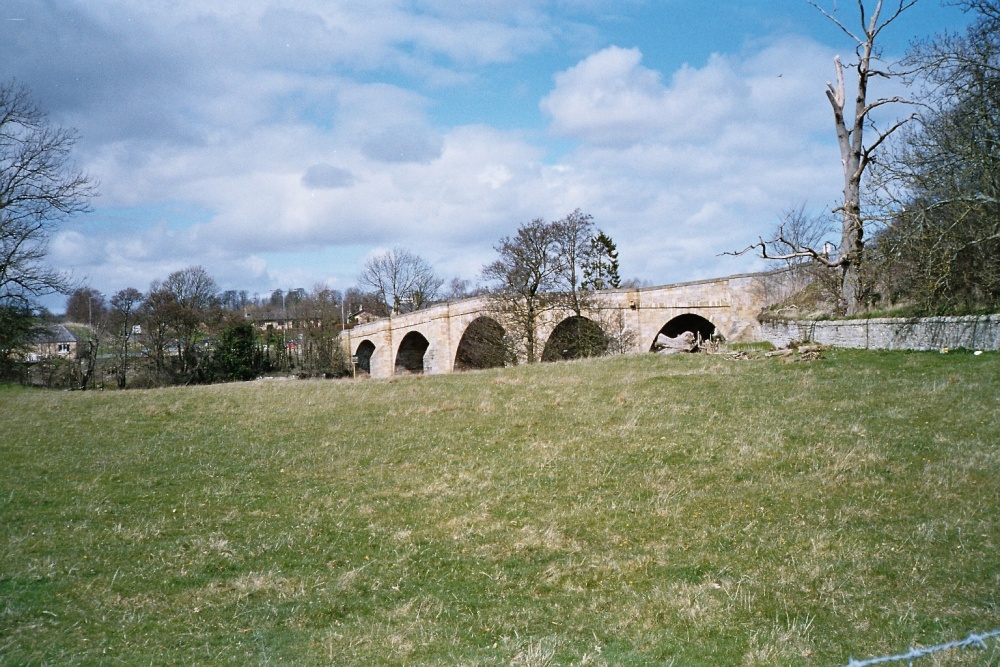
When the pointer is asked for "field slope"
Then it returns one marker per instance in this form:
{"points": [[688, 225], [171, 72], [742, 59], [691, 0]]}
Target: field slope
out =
{"points": [[622, 511]]}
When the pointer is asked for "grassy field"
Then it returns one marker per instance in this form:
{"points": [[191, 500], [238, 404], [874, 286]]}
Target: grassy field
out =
{"points": [[622, 511]]}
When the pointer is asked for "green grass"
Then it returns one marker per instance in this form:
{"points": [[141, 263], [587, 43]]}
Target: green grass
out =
{"points": [[624, 511]]}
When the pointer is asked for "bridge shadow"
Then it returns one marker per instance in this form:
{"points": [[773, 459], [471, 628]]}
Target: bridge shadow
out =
{"points": [[482, 346], [575, 337], [410, 357], [365, 351], [696, 324]]}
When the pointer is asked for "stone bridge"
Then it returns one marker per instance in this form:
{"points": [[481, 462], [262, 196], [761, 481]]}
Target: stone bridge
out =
{"points": [[452, 336]]}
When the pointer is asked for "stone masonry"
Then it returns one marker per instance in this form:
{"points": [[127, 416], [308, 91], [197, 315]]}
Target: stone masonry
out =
{"points": [[730, 304], [926, 333]]}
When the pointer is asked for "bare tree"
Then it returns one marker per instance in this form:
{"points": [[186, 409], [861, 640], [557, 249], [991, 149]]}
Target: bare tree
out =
{"points": [[320, 325], [941, 181], [156, 315], [189, 301], [121, 322], [357, 301], [460, 288], [524, 280], [573, 235], [403, 280], [851, 117], [539, 270], [621, 338], [91, 347], [38, 189], [804, 276], [85, 304]]}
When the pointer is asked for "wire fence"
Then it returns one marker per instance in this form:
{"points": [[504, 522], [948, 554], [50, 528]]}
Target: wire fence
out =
{"points": [[974, 639]]}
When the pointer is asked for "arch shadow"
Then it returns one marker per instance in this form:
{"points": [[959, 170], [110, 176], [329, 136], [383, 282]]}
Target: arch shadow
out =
{"points": [[482, 346], [410, 357], [702, 328], [575, 338], [364, 354]]}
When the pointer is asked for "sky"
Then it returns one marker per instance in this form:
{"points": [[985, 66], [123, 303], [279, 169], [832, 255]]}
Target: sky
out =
{"points": [[280, 143]]}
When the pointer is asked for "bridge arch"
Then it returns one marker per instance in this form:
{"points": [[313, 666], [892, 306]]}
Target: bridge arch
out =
{"points": [[481, 346], [729, 306], [410, 355], [364, 353], [696, 324], [575, 337]]}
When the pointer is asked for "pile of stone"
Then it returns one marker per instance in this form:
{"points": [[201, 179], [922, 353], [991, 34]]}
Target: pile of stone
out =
{"points": [[799, 352]]}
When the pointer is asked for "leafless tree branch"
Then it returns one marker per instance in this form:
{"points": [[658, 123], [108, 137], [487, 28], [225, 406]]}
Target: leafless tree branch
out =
{"points": [[38, 189]]}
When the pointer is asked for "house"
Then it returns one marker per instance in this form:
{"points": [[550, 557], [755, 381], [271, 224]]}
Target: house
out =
{"points": [[284, 321], [53, 342]]}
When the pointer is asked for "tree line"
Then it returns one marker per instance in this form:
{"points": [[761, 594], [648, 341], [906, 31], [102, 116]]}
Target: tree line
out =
{"points": [[184, 329]]}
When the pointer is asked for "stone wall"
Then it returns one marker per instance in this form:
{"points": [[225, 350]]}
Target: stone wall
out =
{"points": [[926, 333]]}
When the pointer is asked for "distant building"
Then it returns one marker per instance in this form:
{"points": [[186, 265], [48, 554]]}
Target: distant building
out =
{"points": [[53, 342], [282, 321], [363, 317]]}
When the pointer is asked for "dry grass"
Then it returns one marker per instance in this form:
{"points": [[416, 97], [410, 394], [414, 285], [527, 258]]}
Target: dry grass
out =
{"points": [[621, 511]]}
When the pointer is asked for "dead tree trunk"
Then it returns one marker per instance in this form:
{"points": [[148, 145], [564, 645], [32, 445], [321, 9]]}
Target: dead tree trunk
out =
{"points": [[854, 154], [850, 119]]}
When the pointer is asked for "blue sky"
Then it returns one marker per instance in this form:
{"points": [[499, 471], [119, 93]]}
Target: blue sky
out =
{"points": [[280, 143]]}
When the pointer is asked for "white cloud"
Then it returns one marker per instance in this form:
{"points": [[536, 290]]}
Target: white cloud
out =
{"points": [[326, 176], [673, 192], [611, 99], [308, 127], [403, 143], [686, 170]]}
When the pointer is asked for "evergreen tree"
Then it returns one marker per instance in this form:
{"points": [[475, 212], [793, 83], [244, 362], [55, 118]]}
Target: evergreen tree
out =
{"points": [[18, 326], [601, 268], [238, 356]]}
